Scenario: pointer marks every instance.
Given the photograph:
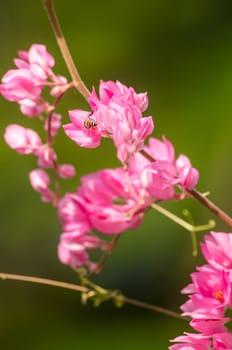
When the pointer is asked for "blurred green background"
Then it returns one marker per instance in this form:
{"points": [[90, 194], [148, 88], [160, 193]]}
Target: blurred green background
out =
{"points": [[181, 53]]}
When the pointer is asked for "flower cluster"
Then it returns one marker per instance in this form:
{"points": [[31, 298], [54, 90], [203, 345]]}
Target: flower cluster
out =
{"points": [[116, 113], [210, 297], [114, 200], [109, 201], [25, 85]]}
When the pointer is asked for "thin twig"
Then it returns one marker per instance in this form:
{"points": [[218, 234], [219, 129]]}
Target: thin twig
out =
{"points": [[50, 140], [38, 280], [53, 108], [212, 207], [79, 84], [85, 290], [154, 308]]}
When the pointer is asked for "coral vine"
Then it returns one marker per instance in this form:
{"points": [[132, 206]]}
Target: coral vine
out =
{"points": [[111, 201], [116, 114]]}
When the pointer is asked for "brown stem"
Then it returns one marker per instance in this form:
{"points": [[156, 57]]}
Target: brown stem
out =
{"points": [[50, 139], [38, 280], [154, 308], [79, 84], [147, 156], [212, 207], [82, 289], [53, 108]]}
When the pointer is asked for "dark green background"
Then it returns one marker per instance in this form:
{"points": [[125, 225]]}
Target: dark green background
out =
{"points": [[181, 53]]}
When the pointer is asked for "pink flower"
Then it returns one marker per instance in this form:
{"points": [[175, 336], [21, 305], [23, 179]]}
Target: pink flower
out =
{"points": [[32, 107], [217, 250], [161, 180], [161, 150], [222, 341], [189, 341], [73, 248], [81, 134], [145, 129], [117, 92], [210, 293], [187, 175], [209, 326], [46, 156], [24, 85], [130, 141], [76, 239], [117, 114], [109, 201], [40, 181], [73, 215], [157, 151], [19, 84], [40, 61], [115, 202], [210, 297], [60, 83], [27, 141], [55, 124], [66, 171], [163, 171], [23, 141]]}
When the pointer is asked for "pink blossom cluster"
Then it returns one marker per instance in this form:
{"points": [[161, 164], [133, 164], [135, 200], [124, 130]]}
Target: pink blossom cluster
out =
{"points": [[109, 201], [114, 200], [210, 297], [24, 85], [116, 113]]}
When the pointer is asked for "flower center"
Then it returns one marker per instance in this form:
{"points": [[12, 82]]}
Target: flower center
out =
{"points": [[219, 296]]}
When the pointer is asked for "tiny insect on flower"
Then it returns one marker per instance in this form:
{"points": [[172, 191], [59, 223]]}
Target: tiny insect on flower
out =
{"points": [[90, 123]]}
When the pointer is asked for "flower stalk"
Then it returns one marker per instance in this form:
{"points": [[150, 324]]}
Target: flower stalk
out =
{"points": [[79, 84]]}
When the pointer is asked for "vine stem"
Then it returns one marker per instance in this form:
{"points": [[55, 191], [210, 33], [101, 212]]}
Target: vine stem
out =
{"points": [[53, 108], [83, 289], [79, 84], [154, 308], [38, 280], [212, 207], [50, 140]]}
